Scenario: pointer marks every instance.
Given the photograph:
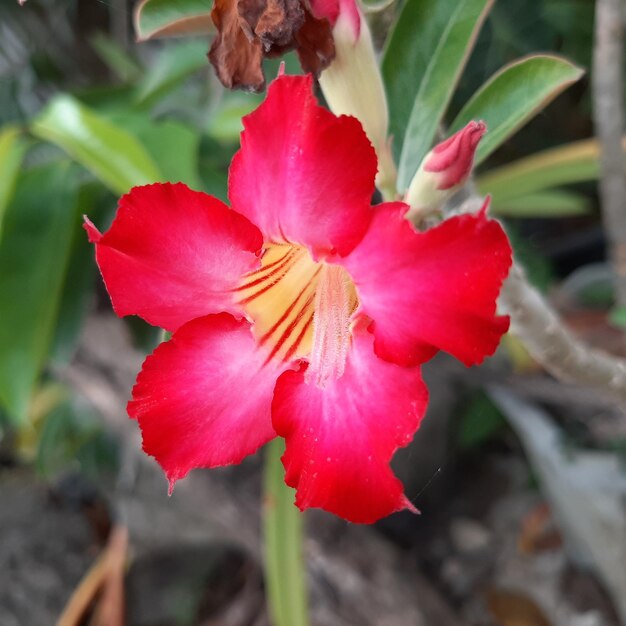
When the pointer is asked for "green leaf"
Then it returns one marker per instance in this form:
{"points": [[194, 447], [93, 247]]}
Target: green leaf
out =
{"points": [[225, 124], [174, 65], [71, 436], [548, 203], [480, 420], [77, 292], [282, 526], [33, 261], [111, 154], [571, 163], [618, 317], [422, 63], [163, 18], [513, 95], [12, 148], [125, 67], [174, 147]]}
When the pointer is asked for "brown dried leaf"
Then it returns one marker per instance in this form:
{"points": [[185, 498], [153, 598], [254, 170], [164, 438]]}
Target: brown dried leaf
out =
{"points": [[511, 608], [278, 24], [315, 44], [248, 30], [539, 532], [236, 58]]}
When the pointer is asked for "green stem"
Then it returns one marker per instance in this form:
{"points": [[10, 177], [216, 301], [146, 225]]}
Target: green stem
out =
{"points": [[284, 563]]}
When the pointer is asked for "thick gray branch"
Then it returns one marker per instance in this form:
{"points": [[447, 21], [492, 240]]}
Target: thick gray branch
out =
{"points": [[608, 107], [551, 344]]}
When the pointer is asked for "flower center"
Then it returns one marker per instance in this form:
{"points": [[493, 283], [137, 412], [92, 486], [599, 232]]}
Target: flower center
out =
{"points": [[301, 309]]}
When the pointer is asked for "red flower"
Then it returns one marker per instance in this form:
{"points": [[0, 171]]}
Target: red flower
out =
{"points": [[301, 311]]}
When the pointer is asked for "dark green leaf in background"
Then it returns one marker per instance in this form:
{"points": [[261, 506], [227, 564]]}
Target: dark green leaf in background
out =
{"points": [[12, 148], [33, 262], [77, 291], [479, 421], [618, 317], [117, 60], [174, 64]]}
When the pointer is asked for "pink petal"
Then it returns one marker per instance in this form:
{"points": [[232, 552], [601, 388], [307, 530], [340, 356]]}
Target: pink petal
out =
{"points": [[340, 438], [433, 290], [203, 398], [173, 254], [303, 175]]}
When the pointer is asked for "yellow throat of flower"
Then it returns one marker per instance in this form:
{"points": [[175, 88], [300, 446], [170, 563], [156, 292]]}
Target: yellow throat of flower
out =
{"points": [[301, 309]]}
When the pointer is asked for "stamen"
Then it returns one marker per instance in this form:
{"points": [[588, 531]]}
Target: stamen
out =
{"points": [[334, 303], [300, 309]]}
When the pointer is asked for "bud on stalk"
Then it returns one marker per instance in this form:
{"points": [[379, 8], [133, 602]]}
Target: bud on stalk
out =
{"points": [[443, 171], [352, 84]]}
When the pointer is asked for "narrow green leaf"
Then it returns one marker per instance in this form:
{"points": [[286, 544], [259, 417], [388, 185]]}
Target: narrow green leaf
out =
{"points": [[422, 63], [174, 65], [124, 66], [514, 95], [77, 291], [571, 163], [547, 203], [12, 148], [284, 564], [111, 154], [162, 18], [33, 261]]}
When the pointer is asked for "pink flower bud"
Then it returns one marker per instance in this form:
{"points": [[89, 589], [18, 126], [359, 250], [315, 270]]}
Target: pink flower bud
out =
{"points": [[444, 170], [333, 10], [453, 158]]}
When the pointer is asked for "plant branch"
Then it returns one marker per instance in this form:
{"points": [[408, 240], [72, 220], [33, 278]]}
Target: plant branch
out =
{"points": [[608, 104]]}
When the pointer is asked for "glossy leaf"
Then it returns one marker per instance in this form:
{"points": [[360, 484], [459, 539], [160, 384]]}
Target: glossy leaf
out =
{"points": [[164, 18], [33, 262], [12, 148], [422, 64], [514, 95], [173, 66], [547, 203], [111, 154], [572, 163]]}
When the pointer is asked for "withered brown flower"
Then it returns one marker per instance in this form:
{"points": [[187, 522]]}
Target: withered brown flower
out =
{"points": [[249, 30]]}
